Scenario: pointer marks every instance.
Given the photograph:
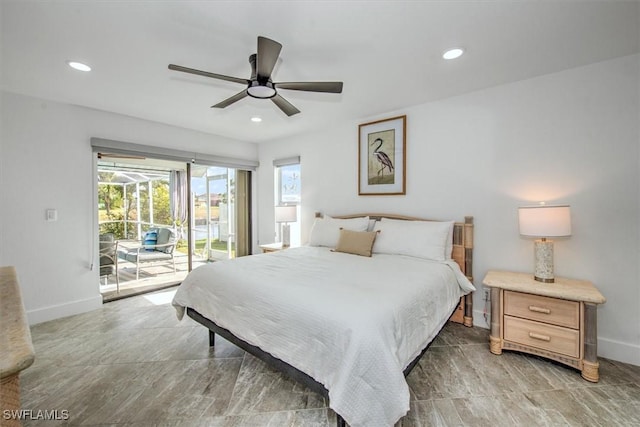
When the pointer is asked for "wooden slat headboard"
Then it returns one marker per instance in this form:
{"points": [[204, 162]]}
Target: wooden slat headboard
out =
{"points": [[462, 252]]}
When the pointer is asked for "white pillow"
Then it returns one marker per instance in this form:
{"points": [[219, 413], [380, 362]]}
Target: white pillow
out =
{"points": [[326, 231], [421, 239], [449, 249]]}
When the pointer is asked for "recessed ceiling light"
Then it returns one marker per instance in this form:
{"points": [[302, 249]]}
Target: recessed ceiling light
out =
{"points": [[78, 66], [453, 53], [256, 119]]}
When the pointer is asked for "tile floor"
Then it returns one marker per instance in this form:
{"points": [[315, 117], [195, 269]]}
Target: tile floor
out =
{"points": [[133, 363]]}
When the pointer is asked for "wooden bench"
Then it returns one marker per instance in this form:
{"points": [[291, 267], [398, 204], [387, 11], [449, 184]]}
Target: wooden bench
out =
{"points": [[16, 348]]}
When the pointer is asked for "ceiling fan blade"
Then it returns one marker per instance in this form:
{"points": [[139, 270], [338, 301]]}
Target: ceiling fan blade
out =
{"points": [[333, 87], [285, 105], [268, 52], [237, 97], [208, 74]]}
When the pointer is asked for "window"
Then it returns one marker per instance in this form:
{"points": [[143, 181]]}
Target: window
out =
{"points": [[289, 184], [288, 192]]}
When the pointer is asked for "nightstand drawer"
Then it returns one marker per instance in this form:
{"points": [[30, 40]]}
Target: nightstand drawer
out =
{"points": [[547, 337], [544, 309]]}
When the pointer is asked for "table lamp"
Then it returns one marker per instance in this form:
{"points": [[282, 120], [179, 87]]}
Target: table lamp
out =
{"points": [[544, 221], [285, 215]]}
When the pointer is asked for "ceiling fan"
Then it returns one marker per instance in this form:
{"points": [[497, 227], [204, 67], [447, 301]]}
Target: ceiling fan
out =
{"points": [[260, 85]]}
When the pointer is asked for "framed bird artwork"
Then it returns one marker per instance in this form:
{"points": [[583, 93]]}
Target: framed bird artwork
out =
{"points": [[382, 157]]}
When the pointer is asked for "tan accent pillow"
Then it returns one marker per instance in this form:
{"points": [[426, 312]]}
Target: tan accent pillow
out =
{"points": [[356, 242]]}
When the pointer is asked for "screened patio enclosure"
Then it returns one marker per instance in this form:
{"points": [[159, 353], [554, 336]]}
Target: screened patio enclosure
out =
{"points": [[135, 196], [192, 205], [133, 199]]}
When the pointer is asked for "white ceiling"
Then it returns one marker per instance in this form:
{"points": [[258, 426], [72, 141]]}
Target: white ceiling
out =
{"points": [[387, 53]]}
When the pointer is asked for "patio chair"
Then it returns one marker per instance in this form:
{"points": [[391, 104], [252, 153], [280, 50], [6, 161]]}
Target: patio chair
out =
{"points": [[108, 258], [158, 245]]}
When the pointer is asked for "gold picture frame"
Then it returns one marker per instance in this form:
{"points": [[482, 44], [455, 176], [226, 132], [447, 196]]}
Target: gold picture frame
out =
{"points": [[382, 157]]}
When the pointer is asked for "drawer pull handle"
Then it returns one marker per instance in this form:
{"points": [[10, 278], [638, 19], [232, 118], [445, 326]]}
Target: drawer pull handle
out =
{"points": [[539, 309], [539, 337]]}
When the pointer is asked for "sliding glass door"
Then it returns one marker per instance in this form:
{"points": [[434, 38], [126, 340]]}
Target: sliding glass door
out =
{"points": [[142, 197], [213, 197], [135, 202], [195, 207]]}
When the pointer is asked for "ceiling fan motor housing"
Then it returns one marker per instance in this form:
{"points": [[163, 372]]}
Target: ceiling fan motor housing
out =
{"points": [[259, 88]]}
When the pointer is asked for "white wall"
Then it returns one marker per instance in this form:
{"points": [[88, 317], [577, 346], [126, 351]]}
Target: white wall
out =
{"points": [[570, 137], [46, 162]]}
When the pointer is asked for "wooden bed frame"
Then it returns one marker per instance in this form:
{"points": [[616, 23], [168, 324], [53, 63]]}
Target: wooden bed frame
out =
{"points": [[462, 254]]}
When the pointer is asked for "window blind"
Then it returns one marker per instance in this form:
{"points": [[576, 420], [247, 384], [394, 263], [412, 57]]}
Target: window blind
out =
{"points": [[128, 148], [287, 161]]}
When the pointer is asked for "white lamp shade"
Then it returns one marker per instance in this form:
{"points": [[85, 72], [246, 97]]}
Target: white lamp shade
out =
{"points": [[545, 221], [286, 213]]}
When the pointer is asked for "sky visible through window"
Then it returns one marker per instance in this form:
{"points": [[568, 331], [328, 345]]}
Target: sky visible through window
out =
{"points": [[216, 186], [290, 184]]}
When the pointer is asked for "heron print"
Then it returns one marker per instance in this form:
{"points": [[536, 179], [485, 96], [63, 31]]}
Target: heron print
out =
{"points": [[381, 157]]}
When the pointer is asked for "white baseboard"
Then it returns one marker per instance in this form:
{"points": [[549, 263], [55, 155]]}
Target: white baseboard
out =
{"points": [[610, 349], [478, 319], [63, 310], [620, 351]]}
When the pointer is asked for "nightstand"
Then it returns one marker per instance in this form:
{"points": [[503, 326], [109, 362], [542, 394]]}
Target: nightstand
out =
{"points": [[554, 320], [271, 247]]}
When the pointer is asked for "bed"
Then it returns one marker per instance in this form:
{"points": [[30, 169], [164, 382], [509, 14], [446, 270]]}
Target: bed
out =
{"points": [[347, 326]]}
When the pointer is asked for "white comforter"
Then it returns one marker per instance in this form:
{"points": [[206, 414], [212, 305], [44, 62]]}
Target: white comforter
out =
{"points": [[352, 323]]}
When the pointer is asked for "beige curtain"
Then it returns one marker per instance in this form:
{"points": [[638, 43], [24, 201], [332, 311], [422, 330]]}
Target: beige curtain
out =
{"points": [[243, 213]]}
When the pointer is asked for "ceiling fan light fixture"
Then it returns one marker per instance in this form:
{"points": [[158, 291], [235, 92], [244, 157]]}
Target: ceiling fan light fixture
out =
{"points": [[256, 90], [78, 66], [260, 85], [453, 53]]}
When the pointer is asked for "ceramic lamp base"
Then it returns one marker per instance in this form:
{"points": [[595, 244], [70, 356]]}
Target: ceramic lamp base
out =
{"points": [[543, 250], [286, 235]]}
